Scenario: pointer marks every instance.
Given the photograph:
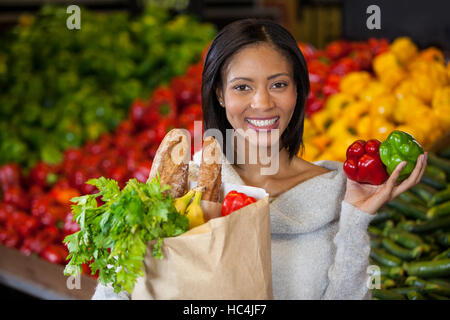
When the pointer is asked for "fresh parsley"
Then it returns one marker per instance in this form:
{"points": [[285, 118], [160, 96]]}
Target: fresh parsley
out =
{"points": [[115, 235]]}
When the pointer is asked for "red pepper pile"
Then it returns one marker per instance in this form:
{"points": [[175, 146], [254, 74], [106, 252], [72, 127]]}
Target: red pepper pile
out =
{"points": [[327, 67], [35, 212]]}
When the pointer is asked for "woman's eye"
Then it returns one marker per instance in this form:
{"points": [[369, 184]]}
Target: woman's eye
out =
{"points": [[242, 87], [280, 85]]}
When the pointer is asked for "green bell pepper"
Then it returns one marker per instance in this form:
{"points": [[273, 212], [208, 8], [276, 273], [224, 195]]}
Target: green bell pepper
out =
{"points": [[400, 146]]}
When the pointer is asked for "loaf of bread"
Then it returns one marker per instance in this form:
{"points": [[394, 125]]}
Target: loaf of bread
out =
{"points": [[172, 162], [210, 172]]}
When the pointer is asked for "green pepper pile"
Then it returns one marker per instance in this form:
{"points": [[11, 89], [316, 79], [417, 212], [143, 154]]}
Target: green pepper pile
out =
{"points": [[410, 238], [61, 87]]}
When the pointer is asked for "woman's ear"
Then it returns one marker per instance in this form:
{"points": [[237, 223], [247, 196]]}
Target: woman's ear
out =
{"points": [[220, 97]]}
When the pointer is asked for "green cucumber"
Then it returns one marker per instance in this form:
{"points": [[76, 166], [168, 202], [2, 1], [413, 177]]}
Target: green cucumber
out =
{"points": [[439, 210], [443, 255], [402, 253], [394, 273], [441, 163], [434, 177], [423, 191], [444, 153], [415, 295], [415, 211], [384, 214], [385, 294], [428, 269], [410, 197], [385, 258], [407, 239], [434, 296], [443, 238], [427, 226], [440, 197]]}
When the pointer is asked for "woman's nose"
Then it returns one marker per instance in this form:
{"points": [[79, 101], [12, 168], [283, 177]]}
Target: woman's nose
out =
{"points": [[262, 100]]}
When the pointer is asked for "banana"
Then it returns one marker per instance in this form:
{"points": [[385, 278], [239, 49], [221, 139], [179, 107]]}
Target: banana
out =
{"points": [[181, 203], [194, 211]]}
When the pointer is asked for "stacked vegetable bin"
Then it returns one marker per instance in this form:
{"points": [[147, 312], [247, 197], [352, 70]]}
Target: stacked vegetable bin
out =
{"points": [[97, 102]]}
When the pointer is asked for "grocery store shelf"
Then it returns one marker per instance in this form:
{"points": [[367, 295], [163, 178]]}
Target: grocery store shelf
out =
{"points": [[39, 278]]}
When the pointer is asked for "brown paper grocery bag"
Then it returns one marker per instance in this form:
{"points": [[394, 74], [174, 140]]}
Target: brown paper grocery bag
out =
{"points": [[225, 258]]}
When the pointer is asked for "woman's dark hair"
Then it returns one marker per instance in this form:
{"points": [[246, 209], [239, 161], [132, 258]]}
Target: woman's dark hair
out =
{"points": [[229, 41]]}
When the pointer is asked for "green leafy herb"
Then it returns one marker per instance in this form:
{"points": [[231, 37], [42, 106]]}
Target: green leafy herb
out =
{"points": [[115, 234]]}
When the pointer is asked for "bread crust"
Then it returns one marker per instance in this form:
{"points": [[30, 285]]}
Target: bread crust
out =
{"points": [[210, 172], [172, 162]]}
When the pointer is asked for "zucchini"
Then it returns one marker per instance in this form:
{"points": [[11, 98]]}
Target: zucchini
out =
{"points": [[444, 153], [441, 163], [385, 258], [440, 197], [434, 177], [433, 286], [423, 191], [428, 269], [415, 295], [386, 282], [384, 214], [406, 239], [427, 226], [404, 290], [374, 231], [385, 294], [410, 197], [394, 273], [443, 238], [415, 211], [439, 210], [443, 255], [434, 296], [444, 286], [402, 253]]}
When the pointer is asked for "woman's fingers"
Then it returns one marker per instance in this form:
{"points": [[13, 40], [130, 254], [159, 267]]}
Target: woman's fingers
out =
{"points": [[390, 183], [413, 178]]}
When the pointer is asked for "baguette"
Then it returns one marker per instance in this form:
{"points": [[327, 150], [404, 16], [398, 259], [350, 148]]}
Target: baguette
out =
{"points": [[210, 172], [172, 162]]}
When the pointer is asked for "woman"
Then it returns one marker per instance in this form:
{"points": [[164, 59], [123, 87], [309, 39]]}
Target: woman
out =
{"points": [[255, 80]]}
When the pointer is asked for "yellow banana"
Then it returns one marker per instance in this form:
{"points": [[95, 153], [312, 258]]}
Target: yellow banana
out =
{"points": [[194, 211], [181, 203]]}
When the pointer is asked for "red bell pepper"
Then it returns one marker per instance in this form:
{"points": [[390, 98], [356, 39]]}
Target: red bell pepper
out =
{"points": [[55, 253], [234, 201], [10, 175], [363, 163]]}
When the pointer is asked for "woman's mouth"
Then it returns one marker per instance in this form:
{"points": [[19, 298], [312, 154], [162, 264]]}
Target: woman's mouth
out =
{"points": [[263, 123]]}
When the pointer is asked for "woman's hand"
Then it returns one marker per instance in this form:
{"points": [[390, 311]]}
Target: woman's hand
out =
{"points": [[370, 198]]}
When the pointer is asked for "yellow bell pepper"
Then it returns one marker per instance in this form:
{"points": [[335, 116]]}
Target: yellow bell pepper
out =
{"points": [[404, 49], [385, 61], [381, 128], [309, 130], [432, 54], [321, 120], [404, 107], [338, 149], [321, 142], [373, 89], [431, 69], [363, 127], [337, 102], [404, 89], [391, 77], [424, 87], [310, 152], [441, 107], [353, 112], [383, 105], [354, 82]]}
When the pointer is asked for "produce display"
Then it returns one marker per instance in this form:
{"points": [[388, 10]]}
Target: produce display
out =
{"points": [[410, 238], [35, 208], [404, 89], [61, 87]]}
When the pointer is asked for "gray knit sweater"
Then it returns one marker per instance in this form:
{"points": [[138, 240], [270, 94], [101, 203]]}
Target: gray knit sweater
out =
{"points": [[320, 245]]}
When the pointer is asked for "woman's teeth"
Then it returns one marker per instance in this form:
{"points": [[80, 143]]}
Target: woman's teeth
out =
{"points": [[263, 123]]}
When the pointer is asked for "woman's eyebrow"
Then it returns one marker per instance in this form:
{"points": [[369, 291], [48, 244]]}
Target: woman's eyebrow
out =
{"points": [[268, 78]]}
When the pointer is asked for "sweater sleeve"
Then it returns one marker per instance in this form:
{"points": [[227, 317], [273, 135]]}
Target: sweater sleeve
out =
{"points": [[348, 276], [107, 293]]}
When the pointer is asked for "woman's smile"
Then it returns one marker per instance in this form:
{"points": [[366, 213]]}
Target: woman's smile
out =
{"points": [[263, 123]]}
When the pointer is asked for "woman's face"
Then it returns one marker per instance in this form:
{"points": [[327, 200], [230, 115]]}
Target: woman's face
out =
{"points": [[259, 93]]}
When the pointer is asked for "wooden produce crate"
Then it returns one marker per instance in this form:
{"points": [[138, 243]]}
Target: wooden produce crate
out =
{"points": [[42, 279]]}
